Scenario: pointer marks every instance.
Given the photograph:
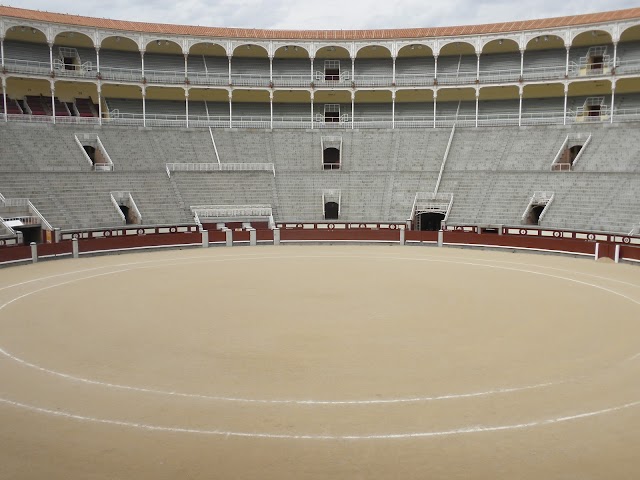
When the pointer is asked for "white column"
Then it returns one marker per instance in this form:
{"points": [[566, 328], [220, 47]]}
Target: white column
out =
{"points": [[229, 70], [615, 55], [230, 109], [520, 111], [478, 67], [393, 109], [2, 50], [522, 63], [51, 56], [353, 108], [186, 105], [353, 69], [566, 70], [4, 98], [435, 71], [99, 103], [186, 65], [613, 101], [566, 91], [98, 59], [144, 107], [435, 103], [311, 58], [311, 110], [53, 101], [142, 62], [271, 70], [271, 109], [393, 79], [477, 104]]}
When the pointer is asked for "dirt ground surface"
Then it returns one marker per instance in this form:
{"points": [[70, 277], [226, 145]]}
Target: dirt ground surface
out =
{"points": [[310, 362]]}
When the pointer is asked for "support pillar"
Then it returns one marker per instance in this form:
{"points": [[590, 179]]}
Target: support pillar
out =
{"points": [[144, 107], [566, 69], [186, 105], [520, 110], [2, 51], [615, 56], [353, 69], [74, 248], [100, 103], [271, 109], [142, 62], [440, 238], [393, 77], [402, 242], [53, 102], [521, 64], [51, 56], [435, 70], [34, 252], [253, 239], [57, 235], [393, 109], [205, 238], [477, 105], [186, 66], [230, 109], [229, 237], [4, 98], [435, 103], [98, 59], [230, 69], [312, 78], [312, 110], [271, 70], [613, 102], [478, 66], [564, 115], [353, 109], [276, 236]]}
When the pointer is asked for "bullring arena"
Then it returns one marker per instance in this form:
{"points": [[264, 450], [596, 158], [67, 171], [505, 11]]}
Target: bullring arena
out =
{"points": [[264, 254], [249, 362]]}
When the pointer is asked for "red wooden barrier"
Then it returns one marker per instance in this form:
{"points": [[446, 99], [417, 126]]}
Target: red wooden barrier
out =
{"points": [[353, 234], [418, 236], [541, 243], [16, 252], [114, 243]]}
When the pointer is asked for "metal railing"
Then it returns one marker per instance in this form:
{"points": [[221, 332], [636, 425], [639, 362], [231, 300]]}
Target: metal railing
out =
{"points": [[219, 167], [208, 78], [119, 73], [250, 80], [27, 66], [414, 79], [292, 80], [455, 78], [498, 76], [544, 73], [371, 80], [165, 76]]}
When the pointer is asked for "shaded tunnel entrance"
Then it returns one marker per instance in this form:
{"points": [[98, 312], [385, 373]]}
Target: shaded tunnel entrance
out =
{"points": [[91, 152], [331, 211], [429, 221], [331, 158]]}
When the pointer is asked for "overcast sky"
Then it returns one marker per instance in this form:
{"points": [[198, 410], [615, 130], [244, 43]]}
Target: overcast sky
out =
{"points": [[324, 14]]}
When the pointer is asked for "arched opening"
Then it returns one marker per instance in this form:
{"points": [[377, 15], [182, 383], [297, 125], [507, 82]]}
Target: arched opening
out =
{"points": [[163, 56], [544, 58], [331, 158], [250, 66], [26, 44], [429, 221], [73, 51], [331, 211], [91, 153], [30, 234], [415, 65], [208, 64], [373, 66], [291, 66], [120, 59], [533, 216], [332, 64], [457, 63], [500, 61], [129, 218]]}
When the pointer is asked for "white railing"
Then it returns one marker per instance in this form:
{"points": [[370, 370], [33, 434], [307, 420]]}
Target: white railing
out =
{"points": [[544, 73], [105, 154], [452, 78], [320, 78], [208, 78], [432, 202], [444, 160], [165, 76], [27, 66], [627, 66], [370, 80], [250, 80], [119, 73], [414, 79], [34, 211], [231, 211], [23, 219], [220, 167], [292, 80], [584, 147], [116, 205], [500, 75]]}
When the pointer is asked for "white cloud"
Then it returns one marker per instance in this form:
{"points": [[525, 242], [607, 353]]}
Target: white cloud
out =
{"points": [[328, 14]]}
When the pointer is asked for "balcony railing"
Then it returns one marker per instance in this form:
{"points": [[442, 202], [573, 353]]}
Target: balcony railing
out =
{"points": [[122, 74], [365, 80], [456, 78], [292, 80], [29, 67], [414, 79], [499, 76], [209, 78], [544, 73], [250, 80], [175, 77]]}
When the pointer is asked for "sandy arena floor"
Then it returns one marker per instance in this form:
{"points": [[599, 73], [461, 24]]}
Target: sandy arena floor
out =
{"points": [[320, 362]]}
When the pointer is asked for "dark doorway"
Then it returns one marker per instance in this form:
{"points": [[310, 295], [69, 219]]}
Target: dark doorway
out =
{"points": [[127, 214], [430, 221], [69, 63], [597, 63], [91, 152], [573, 152], [331, 211], [30, 234], [331, 117], [533, 217], [331, 158], [593, 110]]}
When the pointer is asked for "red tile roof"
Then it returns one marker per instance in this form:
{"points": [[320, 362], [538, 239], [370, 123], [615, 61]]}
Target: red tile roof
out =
{"points": [[124, 25]]}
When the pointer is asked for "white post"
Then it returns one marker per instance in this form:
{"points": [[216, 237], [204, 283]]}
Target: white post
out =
{"points": [[229, 237], [271, 109], [74, 248], [311, 58], [230, 110], [597, 254], [4, 98], [205, 238], [617, 254], [615, 55], [477, 105], [142, 62], [144, 107], [613, 101], [435, 70], [229, 69], [566, 91], [270, 69], [435, 102], [51, 56], [393, 78], [566, 70], [393, 110], [353, 108], [252, 237], [34, 252], [521, 63], [440, 237], [520, 111], [276, 236], [353, 69], [186, 105], [99, 103], [186, 65], [2, 50], [478, 67], [401, 241], [98, 59], [311, 110], [53, 102]]}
